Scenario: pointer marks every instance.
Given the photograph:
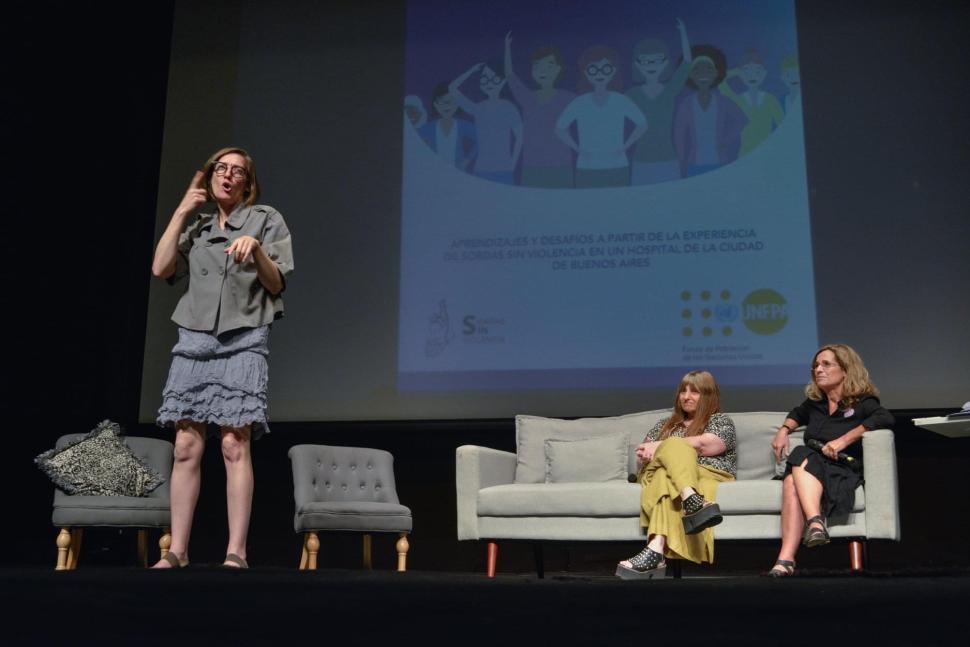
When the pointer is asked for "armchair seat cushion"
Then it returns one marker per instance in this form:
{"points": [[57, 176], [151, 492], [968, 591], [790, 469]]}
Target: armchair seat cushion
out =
{"points": [[360, 516], [122, 511]]}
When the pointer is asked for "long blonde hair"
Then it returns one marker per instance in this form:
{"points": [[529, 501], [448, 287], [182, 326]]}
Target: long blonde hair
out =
{"points": [[856, 384], [708, 404]]}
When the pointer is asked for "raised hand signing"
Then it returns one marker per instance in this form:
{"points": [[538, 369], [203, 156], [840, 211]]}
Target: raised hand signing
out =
{"points": [[195, 196]]}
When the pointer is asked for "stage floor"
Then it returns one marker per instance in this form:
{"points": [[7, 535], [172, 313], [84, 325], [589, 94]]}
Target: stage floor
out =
{"points": [[211, 605]]}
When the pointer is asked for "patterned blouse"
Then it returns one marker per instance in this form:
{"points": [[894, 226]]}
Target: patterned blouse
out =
{"points": [[721, 426]]}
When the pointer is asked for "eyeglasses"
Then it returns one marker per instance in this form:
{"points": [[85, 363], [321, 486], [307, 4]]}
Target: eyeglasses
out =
{"points": [[593, 69], [825, 366], [237, 172], [652, 60]]}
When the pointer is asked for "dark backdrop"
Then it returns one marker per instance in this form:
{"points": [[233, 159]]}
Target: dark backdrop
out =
{"points": [[87, 109]]}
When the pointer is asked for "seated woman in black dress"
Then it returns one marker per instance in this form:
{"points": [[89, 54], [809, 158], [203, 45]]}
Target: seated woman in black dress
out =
{"points": [[842, 404]]}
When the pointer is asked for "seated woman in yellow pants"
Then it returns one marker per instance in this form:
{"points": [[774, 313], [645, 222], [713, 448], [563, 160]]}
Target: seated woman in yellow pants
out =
{"points": [[682, 460]]}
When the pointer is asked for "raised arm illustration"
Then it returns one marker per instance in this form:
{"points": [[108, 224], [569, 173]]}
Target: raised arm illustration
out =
{"points": [[762, 109], [707, 125], [497, 122], [454, 90], [546, 161], [654, 158]]}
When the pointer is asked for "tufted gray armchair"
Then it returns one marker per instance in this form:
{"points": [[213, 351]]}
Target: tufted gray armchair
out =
{"points": [[346, 489], [73, 512]]}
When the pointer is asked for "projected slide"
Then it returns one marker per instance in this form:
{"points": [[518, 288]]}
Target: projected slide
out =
{"points": [[603, 195]]}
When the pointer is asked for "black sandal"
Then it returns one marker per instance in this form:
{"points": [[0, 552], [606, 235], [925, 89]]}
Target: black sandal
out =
{"points": [[700, 514], [787, 568], [815, 536], [645, 565]]}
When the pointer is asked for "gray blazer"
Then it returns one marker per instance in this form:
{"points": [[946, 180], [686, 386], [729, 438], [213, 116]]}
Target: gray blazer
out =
{"points": [[222, 294]]}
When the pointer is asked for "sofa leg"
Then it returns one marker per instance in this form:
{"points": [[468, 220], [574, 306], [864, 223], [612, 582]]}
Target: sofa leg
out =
{"points": [[77, 534], [142, 547], [368, 562], [492, 559], [312, 549], [63, 544], [165, 541], [540, 562], [857, 555], [675, 568], [402, 547]]}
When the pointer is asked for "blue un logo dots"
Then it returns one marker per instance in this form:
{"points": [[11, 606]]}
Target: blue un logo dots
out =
{"points": [[705, 314]]}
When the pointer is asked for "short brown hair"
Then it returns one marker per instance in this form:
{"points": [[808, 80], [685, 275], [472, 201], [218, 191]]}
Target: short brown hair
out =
{"points": [[251, 192], [598, 53], [545, 52]]}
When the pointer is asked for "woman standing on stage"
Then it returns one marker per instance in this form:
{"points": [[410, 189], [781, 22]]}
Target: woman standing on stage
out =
{"points": [[842, 404], [236, 261], [682, 461]]}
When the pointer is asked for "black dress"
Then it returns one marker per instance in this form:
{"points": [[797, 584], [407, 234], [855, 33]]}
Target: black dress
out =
{"points": [[839, 480]]}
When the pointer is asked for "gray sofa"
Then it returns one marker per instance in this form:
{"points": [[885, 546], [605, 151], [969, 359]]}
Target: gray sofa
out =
{"points": [[567, 481]]}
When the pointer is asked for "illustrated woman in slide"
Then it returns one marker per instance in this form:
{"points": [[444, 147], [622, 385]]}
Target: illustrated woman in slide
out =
{"points": [[497, 122], [707, 125], [450, 136], [654, 157], [600, 117], [761, 108], [546, 160]]}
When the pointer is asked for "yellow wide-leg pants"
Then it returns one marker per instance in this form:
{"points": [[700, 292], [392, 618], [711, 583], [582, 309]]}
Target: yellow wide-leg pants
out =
{"points": [[674, 467]]}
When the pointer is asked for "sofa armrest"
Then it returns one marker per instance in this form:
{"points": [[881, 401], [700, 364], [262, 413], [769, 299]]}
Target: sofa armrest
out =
{"points": [[882, 487], [477, 468]]}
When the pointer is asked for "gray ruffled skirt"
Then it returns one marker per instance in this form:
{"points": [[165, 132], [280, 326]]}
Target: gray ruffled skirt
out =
{"points": [[218, 380]]}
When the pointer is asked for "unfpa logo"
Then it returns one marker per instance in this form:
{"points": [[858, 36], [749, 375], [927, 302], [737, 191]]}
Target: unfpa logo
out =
{"points": [[764, 312]]}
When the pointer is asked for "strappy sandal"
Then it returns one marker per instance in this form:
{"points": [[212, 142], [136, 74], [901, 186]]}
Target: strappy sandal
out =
{"points": [[174, 561], [233, 558], [645, 565], [786, 570], [815, 536], [700, 514]]}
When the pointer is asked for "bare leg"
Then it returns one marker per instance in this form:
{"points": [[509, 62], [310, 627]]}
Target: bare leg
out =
{"points": [[236, 453], [792, 520], [809, 490], [185, 483]]}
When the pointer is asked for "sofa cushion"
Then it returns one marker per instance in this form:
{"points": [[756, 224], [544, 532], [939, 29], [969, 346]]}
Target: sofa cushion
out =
{"points": [[609, 499], [531, 433], [619, 499], [762, 497], [587, 460], [755, 429]]}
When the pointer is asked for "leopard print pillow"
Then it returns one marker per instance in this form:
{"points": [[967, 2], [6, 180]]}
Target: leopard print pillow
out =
{"points": [[100, 463]]}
